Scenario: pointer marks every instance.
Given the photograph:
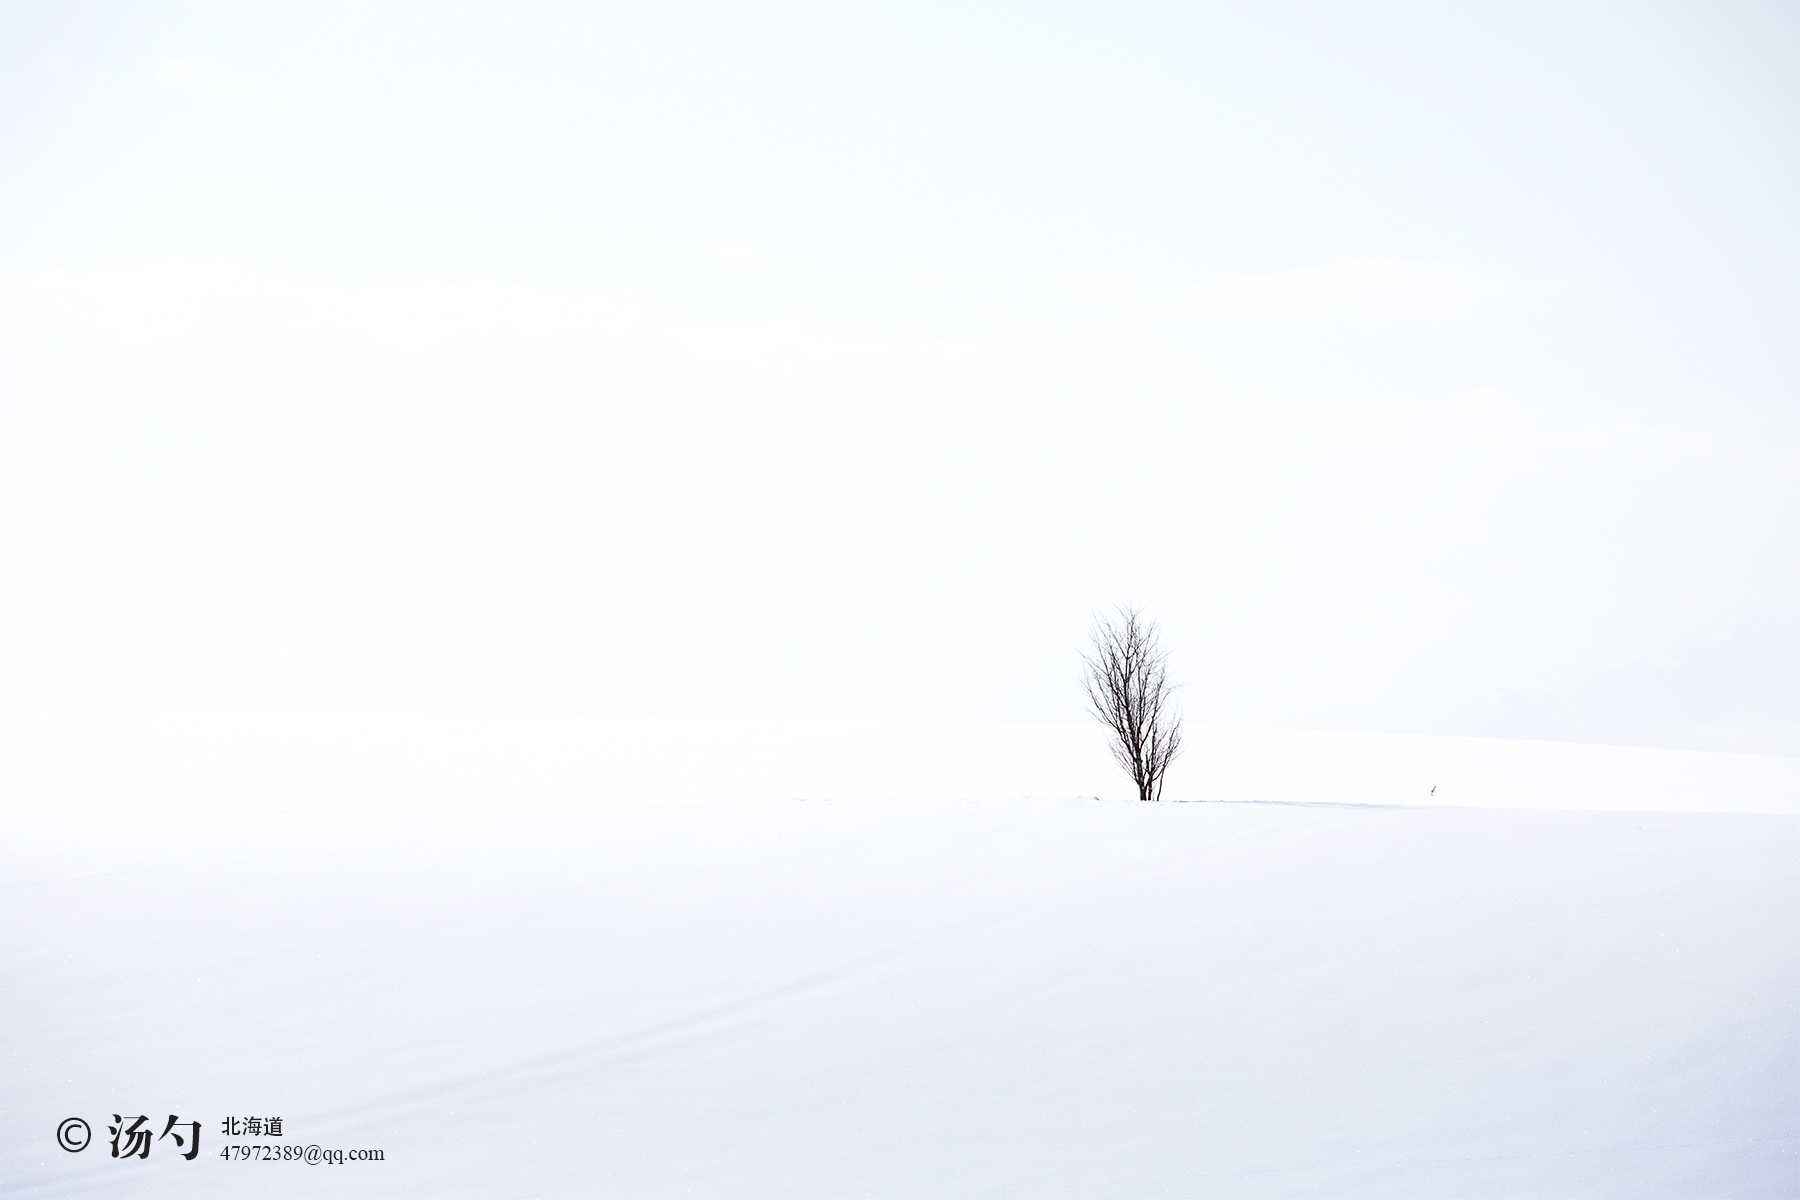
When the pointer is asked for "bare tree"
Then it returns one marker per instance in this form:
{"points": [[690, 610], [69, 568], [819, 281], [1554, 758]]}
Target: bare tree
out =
{"points": [[1128, 687]]}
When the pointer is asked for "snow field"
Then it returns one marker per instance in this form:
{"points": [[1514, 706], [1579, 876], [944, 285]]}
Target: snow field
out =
{"points": [[541, 994]]}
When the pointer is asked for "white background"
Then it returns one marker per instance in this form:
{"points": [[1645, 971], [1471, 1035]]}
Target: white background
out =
{"points": [[837, 362]]}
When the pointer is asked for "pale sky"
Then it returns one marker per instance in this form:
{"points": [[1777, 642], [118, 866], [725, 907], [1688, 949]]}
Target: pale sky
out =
{"points": [[837, 361]]}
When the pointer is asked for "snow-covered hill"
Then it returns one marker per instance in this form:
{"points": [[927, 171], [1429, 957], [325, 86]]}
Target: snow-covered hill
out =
{"points": [[551, 958]]}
